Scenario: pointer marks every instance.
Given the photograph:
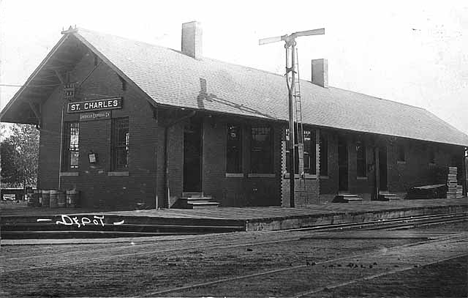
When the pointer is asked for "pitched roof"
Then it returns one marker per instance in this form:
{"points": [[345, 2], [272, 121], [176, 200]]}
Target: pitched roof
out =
{"points": [[171, 78]]}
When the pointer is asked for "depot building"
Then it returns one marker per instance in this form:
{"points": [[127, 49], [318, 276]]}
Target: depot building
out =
{"points": [[129, 124]]}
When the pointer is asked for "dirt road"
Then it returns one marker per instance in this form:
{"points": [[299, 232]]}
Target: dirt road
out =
{"points": [[429, 262]]}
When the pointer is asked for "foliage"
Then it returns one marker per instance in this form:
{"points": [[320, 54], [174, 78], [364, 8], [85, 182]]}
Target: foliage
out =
{"points": [[8, 153], [19, 156]]}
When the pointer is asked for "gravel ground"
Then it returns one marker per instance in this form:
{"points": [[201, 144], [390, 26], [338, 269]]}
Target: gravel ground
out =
{"points": [[306, 261], [451, 227], [445, 279], [132, 274], [313, 281]]}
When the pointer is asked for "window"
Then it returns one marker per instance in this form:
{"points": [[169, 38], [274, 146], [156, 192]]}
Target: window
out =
{"points": [[309, 153], [234, 149], [401, 153], [361, 159], [261, 150], [120, 142], [323, 155], [71, 152]]}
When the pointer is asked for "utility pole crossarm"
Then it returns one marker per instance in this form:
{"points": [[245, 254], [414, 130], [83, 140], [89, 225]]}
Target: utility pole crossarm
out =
{"points": [[292, 36], [271, 39], [320, 31]]}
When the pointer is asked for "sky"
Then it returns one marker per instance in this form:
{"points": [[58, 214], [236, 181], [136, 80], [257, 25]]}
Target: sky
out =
{"points": [[414, 52]]}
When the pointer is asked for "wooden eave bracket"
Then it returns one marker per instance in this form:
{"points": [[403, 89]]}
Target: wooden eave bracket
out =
{"points": [[36, 108], [89, 74], [60, 77]]}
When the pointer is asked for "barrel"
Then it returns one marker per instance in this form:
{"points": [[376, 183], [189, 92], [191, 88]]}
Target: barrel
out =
{"points": [[45, 198], [62, 199], [72, 198], [28, 195], [39, 198], [33, 199], [53, 198]]}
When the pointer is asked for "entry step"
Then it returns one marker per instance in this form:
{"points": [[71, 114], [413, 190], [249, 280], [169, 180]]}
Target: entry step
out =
{"points": [[202, 204], [346, 198], [197, 200], [387, 196]]}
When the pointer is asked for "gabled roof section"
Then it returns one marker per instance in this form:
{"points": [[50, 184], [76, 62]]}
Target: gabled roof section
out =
{"points": [[25, 106], [170, 78]]}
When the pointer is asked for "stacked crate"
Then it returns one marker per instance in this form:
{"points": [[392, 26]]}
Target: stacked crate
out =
{"points": [[452, 183], [459, 191]]}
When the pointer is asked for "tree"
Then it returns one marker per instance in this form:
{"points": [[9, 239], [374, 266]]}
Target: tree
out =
{"points": [[8, 154], [19, 156]]}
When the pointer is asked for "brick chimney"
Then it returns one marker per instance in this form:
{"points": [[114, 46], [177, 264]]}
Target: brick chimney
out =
{"points": [[192, 39], [320, 72]]}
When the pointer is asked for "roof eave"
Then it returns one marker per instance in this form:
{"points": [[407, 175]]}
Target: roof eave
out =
{"points": [[5, 115]]}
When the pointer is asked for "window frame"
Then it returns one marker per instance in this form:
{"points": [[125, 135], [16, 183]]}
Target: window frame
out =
{"points": [[323, 145], [361, 159], [235, 147], [70, 147], [309, 151], [266, 152], [117, 146]]}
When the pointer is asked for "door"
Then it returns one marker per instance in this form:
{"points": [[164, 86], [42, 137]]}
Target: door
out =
{"points": [[383, 168], [342, 164], [193, 155]]}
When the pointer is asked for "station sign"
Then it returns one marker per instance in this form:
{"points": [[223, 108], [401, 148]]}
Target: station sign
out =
{"points": [[94, 105], [95, 116]]}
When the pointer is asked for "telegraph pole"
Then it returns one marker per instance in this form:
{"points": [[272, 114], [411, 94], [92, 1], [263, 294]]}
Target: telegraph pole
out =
{"points": [[290, 46]]}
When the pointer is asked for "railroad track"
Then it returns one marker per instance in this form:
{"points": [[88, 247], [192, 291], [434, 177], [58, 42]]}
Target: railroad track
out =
{"points": [[206, 242], [391, 224], [28, 228], [452, 246], [394, 224]]}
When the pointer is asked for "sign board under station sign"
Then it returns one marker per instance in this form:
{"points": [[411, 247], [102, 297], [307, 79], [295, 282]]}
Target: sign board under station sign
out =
{"points": [[94, 105], [95, 116]]}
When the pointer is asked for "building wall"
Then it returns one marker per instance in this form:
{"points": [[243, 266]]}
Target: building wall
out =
{"points": [[98, 186], [416, 170], [240, 189], [264, 190], [361, 185], [214, 161], [175, 161], [145, 181], [306, 188], [329, 183], [161, 196]]}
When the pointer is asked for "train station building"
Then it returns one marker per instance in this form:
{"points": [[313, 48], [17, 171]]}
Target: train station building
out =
{"points": [[129, 124]]}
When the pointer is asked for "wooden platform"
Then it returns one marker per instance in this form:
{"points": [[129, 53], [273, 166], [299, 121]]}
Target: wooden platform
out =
{"points": [[264, 218]]}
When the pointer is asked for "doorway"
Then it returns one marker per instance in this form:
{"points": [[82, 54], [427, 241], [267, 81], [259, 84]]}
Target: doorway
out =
{"points": [[193, 155], [383, 168], [342, 164]]}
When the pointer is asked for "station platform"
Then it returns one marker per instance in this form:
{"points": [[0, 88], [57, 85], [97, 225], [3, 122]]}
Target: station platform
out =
{"points": [[227, 219]]}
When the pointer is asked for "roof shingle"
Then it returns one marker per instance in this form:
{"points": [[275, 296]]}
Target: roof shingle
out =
{"points": [[171, 78]]}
